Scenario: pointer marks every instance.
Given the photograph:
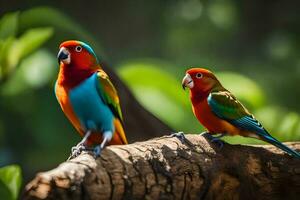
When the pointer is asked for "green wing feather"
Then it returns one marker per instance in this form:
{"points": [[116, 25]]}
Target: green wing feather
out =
{"points": [[226, 106], [109, 94]]}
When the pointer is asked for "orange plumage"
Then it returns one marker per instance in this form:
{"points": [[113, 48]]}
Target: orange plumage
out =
{"points": [[199, 93], [219, 111], [87, 97], [210, 121]]}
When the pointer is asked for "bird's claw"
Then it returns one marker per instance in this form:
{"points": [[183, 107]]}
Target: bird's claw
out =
{"points": [[213, 139], [218, 141], [205, 134], [76, 151], [180, 135], [97, 151]]}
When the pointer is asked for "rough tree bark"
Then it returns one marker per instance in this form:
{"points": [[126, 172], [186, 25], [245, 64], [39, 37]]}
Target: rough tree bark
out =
{"points": [[166, 168]]}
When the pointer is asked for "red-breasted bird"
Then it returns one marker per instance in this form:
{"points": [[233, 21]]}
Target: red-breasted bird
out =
{"points": [[219, 111], [88, 98]]}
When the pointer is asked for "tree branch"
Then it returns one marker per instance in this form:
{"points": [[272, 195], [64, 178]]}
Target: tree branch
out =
{"points": [[165, 168]]}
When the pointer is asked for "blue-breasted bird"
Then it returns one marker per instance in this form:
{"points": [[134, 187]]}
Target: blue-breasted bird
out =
{"points": [[219, 111], [88, 98]]}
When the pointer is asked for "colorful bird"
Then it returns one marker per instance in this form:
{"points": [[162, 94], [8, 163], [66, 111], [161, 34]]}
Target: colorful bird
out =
{"points": [[219, 111], [88, 98]]}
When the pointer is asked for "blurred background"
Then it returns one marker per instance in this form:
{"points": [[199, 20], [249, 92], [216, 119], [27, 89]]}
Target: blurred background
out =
{"points": [[253, 46]]}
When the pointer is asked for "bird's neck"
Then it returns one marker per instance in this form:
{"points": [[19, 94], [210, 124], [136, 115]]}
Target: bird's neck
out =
{"points": [[198, 96], [70, 76], [201, 95]]}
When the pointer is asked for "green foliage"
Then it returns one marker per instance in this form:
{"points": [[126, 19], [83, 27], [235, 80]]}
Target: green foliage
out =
{"points": [[27, 43], [10, 182], [12, 48], [23, 46], [35, 71], [160, 92], [9, 25]]}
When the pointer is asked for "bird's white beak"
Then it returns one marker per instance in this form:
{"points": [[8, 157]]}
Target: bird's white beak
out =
{"points": [[187, 81], [64, 56]]}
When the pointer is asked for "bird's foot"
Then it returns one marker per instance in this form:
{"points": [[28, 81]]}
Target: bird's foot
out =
{"points": [[107, 136], [76, 150], [205, 134], [213, 139], [180, 135], [97, 151], [218, 142]]}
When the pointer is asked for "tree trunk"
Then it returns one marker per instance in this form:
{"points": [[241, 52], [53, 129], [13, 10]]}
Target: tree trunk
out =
{"points": [[166, 168]]}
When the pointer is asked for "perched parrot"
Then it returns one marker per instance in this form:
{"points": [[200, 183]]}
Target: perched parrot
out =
{"points": [[88, 98], [219, 111]]}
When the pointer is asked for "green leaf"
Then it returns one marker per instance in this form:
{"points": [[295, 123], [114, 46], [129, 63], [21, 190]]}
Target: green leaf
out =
{"points": [[149, 74], [35, 71], [5, 45], [160, 92], [27, 43], [9, 25], [11, 177], [5, 192]]}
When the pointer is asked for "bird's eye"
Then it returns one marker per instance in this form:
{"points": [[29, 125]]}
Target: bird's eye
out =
{"points": [[199, 75], [78, 48]]}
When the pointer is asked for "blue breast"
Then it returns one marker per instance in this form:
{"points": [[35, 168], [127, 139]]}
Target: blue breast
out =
{"points": [[90, 109]]}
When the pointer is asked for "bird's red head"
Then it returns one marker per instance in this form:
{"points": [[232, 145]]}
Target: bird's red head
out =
{"points": [[77, 54], [199, 80], [77, 62]]}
